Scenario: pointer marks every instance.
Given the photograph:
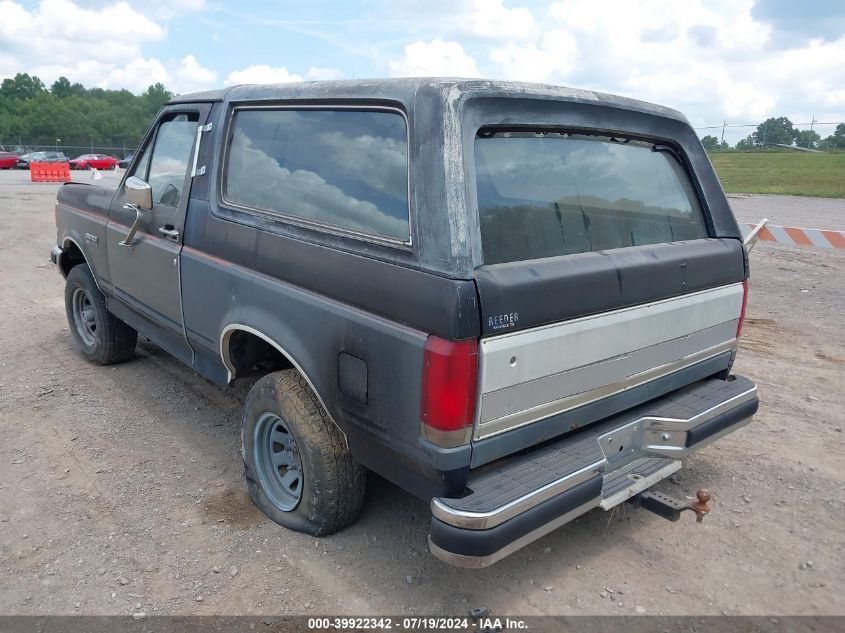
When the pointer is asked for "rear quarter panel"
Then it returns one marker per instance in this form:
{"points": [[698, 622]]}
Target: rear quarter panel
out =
{"points": [[235, 275]]}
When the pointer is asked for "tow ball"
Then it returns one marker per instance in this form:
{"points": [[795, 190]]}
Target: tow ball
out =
{"points": [[670, 507]]}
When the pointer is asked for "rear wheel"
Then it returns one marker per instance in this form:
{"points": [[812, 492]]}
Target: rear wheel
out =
{"points": [[298, 469], [102, 337]]}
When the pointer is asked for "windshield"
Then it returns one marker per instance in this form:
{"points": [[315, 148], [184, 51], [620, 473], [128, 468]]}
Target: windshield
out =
{"points": [[548, 194]]}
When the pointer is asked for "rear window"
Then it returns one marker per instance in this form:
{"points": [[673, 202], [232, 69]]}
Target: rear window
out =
{"points": [[548, 194], [346, 170]]}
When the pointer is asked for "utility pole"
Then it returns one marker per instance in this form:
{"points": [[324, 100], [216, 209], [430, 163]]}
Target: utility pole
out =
{"points": [[722, 142], [812, 123]]}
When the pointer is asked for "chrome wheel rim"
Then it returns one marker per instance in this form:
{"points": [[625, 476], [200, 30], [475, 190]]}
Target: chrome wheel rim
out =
{"points": [[277, 461], [84, 317]]}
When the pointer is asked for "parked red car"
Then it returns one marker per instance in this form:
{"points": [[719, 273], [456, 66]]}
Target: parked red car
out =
{"points": [[8, 160], [93, 161]]}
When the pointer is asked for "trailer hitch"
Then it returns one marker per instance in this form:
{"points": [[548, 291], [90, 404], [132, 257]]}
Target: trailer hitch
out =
{"points": [[670, 507]]}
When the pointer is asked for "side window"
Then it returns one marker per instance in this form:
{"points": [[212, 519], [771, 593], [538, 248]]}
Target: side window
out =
{"points": [[343, 168], [168, 163], [143, 163]]}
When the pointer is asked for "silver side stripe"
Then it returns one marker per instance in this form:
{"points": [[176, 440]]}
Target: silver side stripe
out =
{"points": [[548, 409], [554, 348], [512, 400]]}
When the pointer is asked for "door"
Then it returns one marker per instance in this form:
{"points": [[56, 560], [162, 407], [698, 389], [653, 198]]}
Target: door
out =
{"points": [[145, 270]]}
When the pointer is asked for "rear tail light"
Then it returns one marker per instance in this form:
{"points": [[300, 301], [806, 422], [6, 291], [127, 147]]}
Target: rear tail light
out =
{"points": [[450, 377], [744, 305]]}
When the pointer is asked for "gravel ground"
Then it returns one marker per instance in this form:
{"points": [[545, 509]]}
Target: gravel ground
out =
{"points": [[810, 213], [121, 488]]}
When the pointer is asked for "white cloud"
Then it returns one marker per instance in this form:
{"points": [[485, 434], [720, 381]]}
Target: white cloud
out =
{"points": [[709, 59], [264, 74], [321, 74], [434, 58], [61, 31], [555, 55], [135, 75], [490, 18], [182, 76], [94, 46], [190, 76], [169, 9], [261, 74]]}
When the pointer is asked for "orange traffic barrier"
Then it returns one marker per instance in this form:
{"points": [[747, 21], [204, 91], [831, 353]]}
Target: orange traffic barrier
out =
{"points": [[797, 236], [49, 172]]}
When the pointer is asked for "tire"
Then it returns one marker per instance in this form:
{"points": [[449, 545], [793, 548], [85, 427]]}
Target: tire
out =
{"points": [[331, 483], [102, 338]]}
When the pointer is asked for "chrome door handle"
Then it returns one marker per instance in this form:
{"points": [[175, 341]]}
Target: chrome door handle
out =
{"points": [[171, 234]]}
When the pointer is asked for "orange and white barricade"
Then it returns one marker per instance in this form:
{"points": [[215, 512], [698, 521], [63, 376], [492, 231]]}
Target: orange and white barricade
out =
{"points": [[795, 236]]}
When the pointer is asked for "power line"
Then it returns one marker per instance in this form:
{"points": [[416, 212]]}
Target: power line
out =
{"points": [[720, 126]]}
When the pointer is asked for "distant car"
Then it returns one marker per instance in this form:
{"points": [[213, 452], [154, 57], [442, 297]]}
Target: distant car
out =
{"points": [[8, 160], [94, 161], [124, 162], [40, 157], [24, 159]]}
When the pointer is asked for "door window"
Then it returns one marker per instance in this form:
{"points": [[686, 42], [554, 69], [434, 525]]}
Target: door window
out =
{"points": [[164, 167]]}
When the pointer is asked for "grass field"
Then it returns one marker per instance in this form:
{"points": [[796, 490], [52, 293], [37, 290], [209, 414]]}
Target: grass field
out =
{"points": [[790, 173]]}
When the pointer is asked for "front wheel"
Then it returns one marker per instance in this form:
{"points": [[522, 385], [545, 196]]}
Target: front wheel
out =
{"points": [[298, 469], [102, 338]]}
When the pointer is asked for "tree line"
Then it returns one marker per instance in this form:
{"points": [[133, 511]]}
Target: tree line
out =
{"points": [[35, 115], [780, 131], [70, 114]]}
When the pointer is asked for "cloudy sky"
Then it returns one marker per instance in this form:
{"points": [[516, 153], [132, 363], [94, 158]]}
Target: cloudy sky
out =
{"points": [[743, 60]]}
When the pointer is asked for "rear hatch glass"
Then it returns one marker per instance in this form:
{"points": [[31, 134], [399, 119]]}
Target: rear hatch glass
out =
{"points": [[600, 287], [548, 194]]}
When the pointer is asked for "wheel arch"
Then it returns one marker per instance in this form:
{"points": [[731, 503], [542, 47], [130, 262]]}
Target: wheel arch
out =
{"points": [[225, 355], [73, 255]]}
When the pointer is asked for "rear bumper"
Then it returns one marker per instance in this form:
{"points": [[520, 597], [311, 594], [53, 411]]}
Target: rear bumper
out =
{"points": [[55, 254], [517, 500]]}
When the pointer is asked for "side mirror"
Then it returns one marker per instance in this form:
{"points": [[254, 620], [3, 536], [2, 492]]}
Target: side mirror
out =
{"points": [[139, 193], [139, 198]]}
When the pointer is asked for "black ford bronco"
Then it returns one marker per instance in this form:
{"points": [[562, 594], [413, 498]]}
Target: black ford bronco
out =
{"points": [[518, 302]]}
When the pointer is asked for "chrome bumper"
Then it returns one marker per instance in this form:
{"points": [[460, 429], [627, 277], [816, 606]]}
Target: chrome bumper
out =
{"points": [[519, 499]]}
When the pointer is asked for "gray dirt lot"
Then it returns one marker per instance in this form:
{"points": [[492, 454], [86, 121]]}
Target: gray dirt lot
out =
{"points": [[121, 487], [811, 213]]}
